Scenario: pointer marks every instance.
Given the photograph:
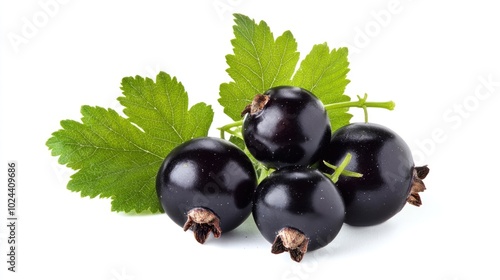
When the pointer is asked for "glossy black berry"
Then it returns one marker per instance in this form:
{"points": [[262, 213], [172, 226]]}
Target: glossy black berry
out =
{"points": [[389, 180], [286, 126], [206, 184], [298, 210]]}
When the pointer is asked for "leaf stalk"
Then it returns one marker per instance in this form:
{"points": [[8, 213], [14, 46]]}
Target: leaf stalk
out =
{"points": [[362, 103]]}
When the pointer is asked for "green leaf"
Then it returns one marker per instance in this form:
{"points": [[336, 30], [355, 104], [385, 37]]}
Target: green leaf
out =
{"points": [[324, 73], [259, 62], [118, 157]]}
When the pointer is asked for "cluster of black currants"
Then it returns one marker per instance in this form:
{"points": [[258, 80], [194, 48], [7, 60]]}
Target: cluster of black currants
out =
{"points": [[314, 181]]}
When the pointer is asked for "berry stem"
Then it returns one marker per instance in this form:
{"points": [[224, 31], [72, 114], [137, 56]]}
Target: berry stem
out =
{"points": [[232, 129], [365, 109], [362, 103], [341, 168], [344, 172], [263, 172]]}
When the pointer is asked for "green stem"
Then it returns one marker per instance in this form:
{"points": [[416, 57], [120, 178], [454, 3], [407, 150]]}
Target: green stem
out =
{"points": [[365, 110], [264, 172], [340, 170], [344, 172], [232, 128], [361, 103]]}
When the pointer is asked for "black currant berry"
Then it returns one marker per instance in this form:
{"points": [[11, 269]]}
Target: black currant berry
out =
{"points": [[389, 180], [286, 126], [206, 185], [298, 210]]}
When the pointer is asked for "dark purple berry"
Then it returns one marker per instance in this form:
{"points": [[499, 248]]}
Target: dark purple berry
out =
{"points": [[389, 180], [206, 184], [298, 210], [286, 126]]}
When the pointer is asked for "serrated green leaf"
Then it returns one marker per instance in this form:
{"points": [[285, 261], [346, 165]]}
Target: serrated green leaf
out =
{"points": [[119, 157], [161, 109], [324, 73], [259, 62]]}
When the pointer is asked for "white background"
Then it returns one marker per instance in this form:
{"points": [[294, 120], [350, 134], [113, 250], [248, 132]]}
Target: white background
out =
{"points": [[433, 59]]}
